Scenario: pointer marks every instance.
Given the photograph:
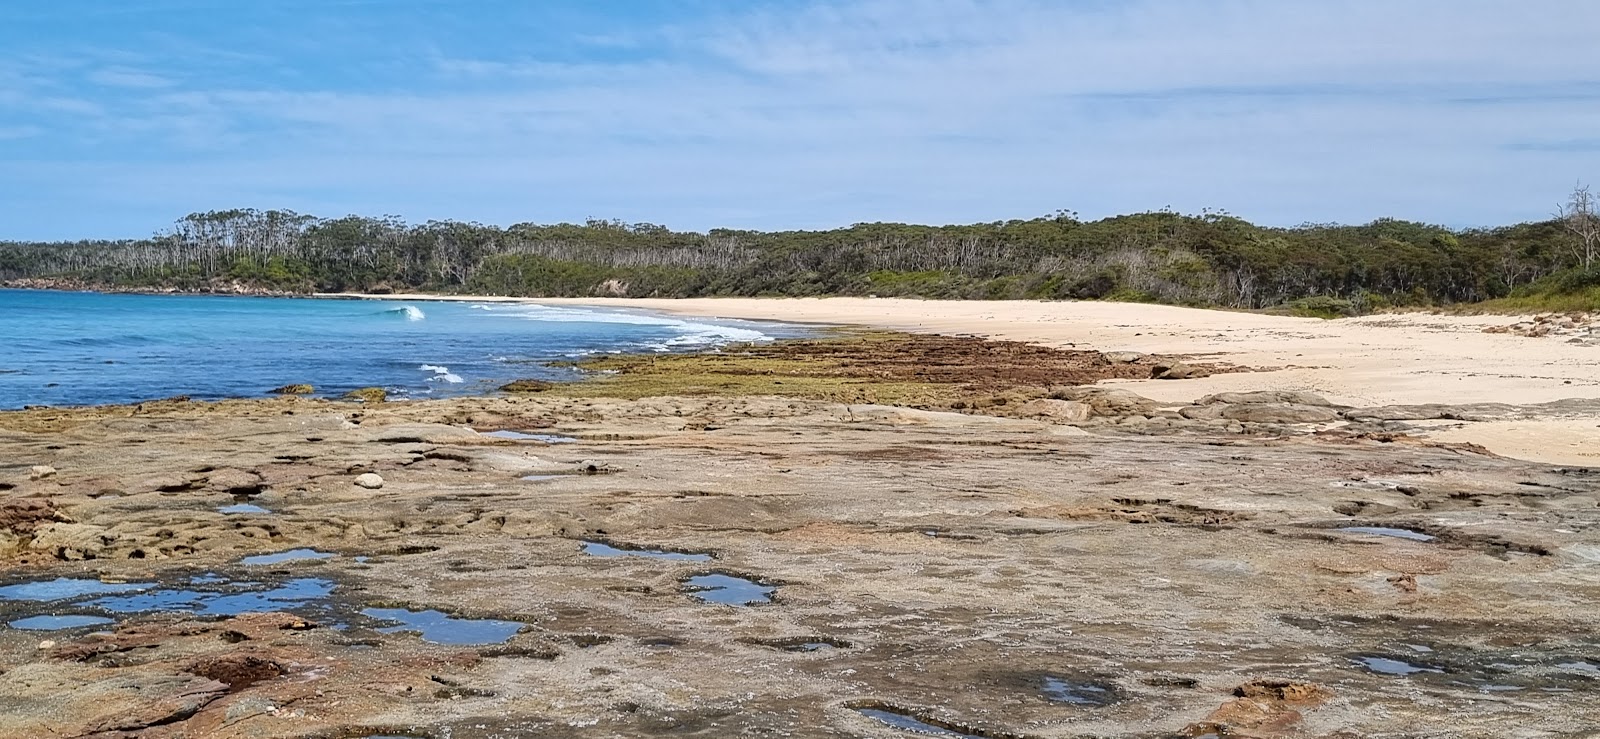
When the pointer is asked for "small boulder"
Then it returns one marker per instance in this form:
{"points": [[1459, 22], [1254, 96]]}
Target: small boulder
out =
{"points": [[1059, 411], [1122, 357], [527, 386], [1107, 401], [41, 471], [369, 480], [300, 389], [1202, 412], [1177, 371], [368, 395], [1279, 413]]}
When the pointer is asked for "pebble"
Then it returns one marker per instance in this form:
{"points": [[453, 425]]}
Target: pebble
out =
{"points": [[40, 472], [370, 481]]}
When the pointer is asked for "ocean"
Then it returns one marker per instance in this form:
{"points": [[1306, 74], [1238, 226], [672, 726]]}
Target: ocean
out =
{"points": [[72, 348]]}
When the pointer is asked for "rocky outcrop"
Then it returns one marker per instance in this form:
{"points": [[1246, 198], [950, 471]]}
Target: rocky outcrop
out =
{"points": [[1058, 411], [298, 389], [1108, 401], [1177, 371], [1266, 396], [368, 394], [1278, 413], [527, 386]]}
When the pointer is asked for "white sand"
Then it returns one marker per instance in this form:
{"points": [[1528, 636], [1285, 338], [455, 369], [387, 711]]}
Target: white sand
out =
{"points": [[1403, 359]]}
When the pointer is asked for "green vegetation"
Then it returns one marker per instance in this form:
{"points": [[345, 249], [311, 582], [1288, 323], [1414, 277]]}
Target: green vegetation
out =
{"points": [[1210, 259]]}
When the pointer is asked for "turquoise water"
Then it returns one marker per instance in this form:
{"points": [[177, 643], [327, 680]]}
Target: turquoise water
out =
{"points": [[67, 348]]}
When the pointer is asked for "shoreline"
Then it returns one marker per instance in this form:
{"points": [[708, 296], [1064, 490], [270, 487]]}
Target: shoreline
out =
{"points": [[1377, 360]]}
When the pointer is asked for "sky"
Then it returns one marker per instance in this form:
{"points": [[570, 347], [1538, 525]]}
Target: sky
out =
{"points": [[119, 116]]}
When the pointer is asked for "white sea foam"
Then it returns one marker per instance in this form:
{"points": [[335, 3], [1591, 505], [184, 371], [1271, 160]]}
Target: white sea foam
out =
{"points": [[441, 374], [689, 333]]}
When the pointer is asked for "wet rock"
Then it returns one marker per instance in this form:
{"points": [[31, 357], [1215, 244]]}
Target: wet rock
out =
{"points": [[40, 472], [527, 386], [1123, 357], [1060, 411], [368, 395], [299, 389], [1265, 396], [238, 670], [1279, 413], [1177, 371], [370, 481]]}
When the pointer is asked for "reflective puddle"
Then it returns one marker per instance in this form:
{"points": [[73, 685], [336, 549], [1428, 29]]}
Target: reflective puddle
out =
{"points": [[598, 549], [63, 588], [729, 590], [1387, 531], [1396, 667], [288, 556], [58, 623], [530, 436], [907, 722], [244, 597], [441, 628], [242, 508], [1061, 690]]}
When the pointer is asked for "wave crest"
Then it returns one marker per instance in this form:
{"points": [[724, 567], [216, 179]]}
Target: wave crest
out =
{"points": [[410, 312]]}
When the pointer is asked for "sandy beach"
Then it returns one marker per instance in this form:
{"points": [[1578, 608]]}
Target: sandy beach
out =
{"points": [[1395, 359]]}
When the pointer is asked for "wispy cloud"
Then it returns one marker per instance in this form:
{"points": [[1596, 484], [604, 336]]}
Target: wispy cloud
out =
{"points": [[826, 112]]}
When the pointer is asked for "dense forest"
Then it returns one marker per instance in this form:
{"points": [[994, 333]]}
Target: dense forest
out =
{"points": [[1211, 259]]}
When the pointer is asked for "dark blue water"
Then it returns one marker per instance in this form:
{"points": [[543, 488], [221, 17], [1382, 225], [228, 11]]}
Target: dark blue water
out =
{"points": [[64, 348]]}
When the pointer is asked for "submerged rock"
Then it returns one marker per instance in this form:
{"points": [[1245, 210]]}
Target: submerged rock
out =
{"points": [[368, 394], [527, 386], [300, 389]]}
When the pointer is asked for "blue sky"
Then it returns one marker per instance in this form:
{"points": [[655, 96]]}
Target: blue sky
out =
{"points": [[119, 116]]}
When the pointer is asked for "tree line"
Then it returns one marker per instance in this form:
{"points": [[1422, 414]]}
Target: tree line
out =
{"points": [[1211, 258]]}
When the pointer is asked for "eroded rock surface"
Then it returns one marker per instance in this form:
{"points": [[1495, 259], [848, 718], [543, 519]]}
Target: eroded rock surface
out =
{"points": [[1211, 575]]}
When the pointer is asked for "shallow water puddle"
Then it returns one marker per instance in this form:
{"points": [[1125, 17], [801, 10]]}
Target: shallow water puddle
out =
{"points": [[241, 508], [290, 595], [63, 588], [58, 623], [1061, 690], [286, 556], [441, 628], [1387, 531], [598, 549], [1396, 667], [1581, 667], [529, 436], [908, 722], [728, 589]]}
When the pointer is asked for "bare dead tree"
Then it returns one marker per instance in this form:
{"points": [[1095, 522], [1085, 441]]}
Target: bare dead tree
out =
{"points": [[1579, 217]]}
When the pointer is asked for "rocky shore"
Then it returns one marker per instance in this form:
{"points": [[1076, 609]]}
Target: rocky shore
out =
{"points": [[869, 536]]}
